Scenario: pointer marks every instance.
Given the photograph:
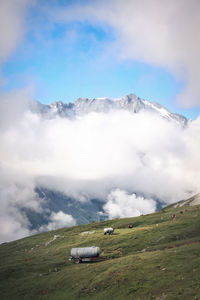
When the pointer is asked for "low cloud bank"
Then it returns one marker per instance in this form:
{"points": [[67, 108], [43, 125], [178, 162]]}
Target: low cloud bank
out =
{"points": [[120, 205], [109, 156], [58, 220]]}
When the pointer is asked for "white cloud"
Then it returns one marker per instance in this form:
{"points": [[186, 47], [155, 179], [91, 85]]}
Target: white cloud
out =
{"points": [[91, 156], [13, 227], [107, 156], [13, 105], [12, 26], [16, 193], [58, 220], [120, 204], [161, 33]]}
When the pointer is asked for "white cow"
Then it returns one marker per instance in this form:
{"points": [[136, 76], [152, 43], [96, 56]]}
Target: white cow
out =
{"points": [[109, 230]]}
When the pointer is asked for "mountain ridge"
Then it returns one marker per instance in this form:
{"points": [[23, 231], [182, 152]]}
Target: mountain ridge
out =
{"points": [[131, 103]]}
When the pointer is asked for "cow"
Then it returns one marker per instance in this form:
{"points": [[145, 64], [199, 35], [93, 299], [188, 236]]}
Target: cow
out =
{"points": [[109, 231], [173, 217]]}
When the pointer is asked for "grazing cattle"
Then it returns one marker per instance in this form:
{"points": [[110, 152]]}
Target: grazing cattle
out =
{"points": [[181, 212], [130, 226], [173, 217], [109, 231]]}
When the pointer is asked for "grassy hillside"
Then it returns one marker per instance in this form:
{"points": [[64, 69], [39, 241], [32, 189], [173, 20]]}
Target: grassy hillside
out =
{"points": [[159, 258]]}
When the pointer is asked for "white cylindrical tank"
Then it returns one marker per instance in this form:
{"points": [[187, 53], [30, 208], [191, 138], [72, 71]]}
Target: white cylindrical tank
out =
{"points": [[85, 252]]}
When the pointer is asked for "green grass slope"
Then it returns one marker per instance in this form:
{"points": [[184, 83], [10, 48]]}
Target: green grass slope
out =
{"points": [[159, 258]]}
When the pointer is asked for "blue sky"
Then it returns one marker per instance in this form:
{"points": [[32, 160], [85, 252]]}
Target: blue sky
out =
{"points": [[79, 58]]}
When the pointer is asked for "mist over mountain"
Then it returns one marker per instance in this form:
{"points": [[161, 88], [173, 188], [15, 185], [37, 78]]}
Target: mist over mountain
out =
{"points": [[66, 164]]}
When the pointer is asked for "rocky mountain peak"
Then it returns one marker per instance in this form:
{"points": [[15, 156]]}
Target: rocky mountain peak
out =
{"points": [[129, 102]]}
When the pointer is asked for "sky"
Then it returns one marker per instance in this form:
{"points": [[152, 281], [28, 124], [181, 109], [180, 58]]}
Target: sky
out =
{"points": [[63, 50]]}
